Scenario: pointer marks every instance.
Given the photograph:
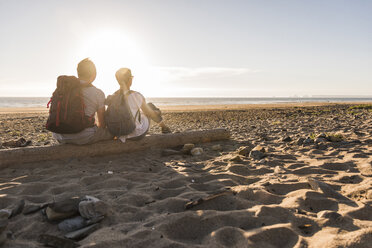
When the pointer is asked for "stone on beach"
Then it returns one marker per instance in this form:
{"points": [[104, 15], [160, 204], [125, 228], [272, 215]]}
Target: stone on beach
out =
{"points": [[13, 210], [63, 209], [54, 216], [244, 150], [82, 233], [186, 149], [72, 224], [92, 208], [327, 214], [257, 153], [32, 208], [197, 151], [17, 208], [5, 213], [328, 191]]}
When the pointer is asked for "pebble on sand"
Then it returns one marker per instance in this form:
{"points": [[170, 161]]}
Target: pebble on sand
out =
{"points": [[197, 151]]}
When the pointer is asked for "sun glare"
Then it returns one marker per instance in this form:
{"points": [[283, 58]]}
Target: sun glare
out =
{"points": [[113, 49]]}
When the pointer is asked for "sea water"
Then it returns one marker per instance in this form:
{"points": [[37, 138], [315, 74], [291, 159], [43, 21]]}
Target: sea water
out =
{"points": [[40, 102]]}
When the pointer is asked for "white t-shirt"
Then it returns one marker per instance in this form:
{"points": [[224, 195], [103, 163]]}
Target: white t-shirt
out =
{"points": [[135, 100]]}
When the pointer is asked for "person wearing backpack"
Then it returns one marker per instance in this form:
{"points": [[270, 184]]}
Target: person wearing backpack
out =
{"points": [[128, 115], [74, 105]]}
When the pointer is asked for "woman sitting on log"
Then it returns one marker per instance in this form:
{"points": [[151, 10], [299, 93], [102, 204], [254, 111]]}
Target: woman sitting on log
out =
{"points": [[124, 117]]}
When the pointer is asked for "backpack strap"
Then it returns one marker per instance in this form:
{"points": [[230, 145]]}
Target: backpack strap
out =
{"points": [[138, 113]]}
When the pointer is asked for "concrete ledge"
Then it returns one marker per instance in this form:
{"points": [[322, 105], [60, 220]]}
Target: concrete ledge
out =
{"points": [[10, 157]]}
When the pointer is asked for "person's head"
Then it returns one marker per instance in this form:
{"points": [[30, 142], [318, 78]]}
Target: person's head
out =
{"points": [[86, 70], [124, 77]]}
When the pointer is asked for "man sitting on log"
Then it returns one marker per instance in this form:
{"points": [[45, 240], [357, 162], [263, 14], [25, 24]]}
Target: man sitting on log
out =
{"points": [[73, 107], [124, 117]]}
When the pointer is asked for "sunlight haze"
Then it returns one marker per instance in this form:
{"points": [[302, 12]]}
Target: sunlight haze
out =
{"points": [[190, 48]]}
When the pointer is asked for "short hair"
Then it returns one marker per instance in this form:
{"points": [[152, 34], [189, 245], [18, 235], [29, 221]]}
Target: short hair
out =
{"points": [[86, 68]]}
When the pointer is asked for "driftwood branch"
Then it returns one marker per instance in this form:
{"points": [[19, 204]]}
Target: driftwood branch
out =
{"points": [[36, 154]]}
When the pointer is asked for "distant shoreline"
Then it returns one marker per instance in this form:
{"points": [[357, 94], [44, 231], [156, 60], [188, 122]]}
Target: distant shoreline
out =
{"points": [[209, 107]]}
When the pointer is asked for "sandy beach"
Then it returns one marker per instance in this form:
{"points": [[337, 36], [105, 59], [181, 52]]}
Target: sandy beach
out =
{"points": [[292, 175]]}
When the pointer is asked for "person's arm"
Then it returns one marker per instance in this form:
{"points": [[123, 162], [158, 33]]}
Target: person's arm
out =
{"points": [[101, 119], [154, 115], [101, 109], [148, 111]]}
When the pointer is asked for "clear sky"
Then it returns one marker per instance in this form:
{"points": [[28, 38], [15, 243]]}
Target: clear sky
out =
{"points": [[195, 48]]}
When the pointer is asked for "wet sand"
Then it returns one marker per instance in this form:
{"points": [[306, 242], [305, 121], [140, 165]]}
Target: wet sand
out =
{"points": [[302, 189]]}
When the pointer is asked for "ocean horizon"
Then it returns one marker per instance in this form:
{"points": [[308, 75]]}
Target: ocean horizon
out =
{"points": [[39, 102]]}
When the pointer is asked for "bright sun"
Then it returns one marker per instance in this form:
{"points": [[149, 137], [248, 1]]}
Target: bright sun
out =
{"points": [[111, 50]]}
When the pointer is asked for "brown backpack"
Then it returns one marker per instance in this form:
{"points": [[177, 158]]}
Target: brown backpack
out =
{"points": [[67, 109]]}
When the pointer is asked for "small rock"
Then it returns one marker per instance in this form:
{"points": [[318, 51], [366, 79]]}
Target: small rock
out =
{"points": [[328, 191], [327, 214], [287, 139], [244, 150], [259, 148], [5, 213], [92, 208], [76, 223], [66, 206], [197, 151], [72, 224], [54, 241], [217, 147], [61, 209], [53, 215], [186, 149], [82, 233], [236, 159], [170, 152], [257, 155], [32, 208], [17, 208]]}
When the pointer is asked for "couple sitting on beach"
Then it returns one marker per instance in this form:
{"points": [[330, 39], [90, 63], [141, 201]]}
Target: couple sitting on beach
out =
{"points": [[76, 101]]}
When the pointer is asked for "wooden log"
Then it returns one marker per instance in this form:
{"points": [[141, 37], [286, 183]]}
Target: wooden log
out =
{"points": [[36, 154]]}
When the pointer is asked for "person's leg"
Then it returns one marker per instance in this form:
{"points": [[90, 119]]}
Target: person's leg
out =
{"points": [[100, 135], [159, 119], [81, 138]]}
